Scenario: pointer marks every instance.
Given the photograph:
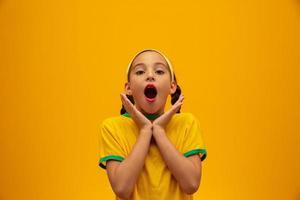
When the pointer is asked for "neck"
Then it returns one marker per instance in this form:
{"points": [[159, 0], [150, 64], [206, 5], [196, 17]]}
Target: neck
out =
{"points": [[152, 116], [148, 116]]}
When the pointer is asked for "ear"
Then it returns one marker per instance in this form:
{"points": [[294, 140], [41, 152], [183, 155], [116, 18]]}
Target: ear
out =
{"points": [[128, 89], [173, 87]]}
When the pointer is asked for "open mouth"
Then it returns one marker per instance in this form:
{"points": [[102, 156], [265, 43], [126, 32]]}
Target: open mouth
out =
{"points": [[150, 91]]}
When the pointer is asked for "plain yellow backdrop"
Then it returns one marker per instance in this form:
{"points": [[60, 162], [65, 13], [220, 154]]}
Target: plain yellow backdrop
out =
{"points": [[63, 67]]}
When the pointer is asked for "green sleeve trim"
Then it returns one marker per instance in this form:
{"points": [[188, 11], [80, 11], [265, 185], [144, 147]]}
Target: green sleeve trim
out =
{"points": [[110, 157], [195, 151]]}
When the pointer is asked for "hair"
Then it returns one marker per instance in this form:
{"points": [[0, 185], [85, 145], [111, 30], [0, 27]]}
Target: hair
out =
{"points": [[174, 97]]}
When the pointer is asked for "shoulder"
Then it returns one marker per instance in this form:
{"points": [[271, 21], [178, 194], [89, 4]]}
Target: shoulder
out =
{"points": [[113, 122], [186, 117]]}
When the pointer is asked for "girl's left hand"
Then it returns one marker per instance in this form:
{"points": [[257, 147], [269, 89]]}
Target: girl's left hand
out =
{"points": [[162, 121]]}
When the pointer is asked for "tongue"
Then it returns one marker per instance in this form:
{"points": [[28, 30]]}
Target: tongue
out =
{"points": [[150, 99], [150, 96]]}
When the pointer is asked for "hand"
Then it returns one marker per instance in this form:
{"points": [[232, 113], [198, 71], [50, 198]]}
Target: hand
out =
{"points": [[162, 121], [141, 121]]}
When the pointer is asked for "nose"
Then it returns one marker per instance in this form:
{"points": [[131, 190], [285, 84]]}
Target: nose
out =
{"points": [[150, 76]]}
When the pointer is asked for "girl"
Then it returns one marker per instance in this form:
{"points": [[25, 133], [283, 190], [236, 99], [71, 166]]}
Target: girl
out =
{"points": [[149, 153]]}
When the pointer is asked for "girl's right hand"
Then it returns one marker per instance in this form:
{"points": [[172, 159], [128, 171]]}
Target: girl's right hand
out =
{"points": [[142, 122]]}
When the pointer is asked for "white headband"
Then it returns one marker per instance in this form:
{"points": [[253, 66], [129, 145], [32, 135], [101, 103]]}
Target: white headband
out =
{"points": [[169, 63]]}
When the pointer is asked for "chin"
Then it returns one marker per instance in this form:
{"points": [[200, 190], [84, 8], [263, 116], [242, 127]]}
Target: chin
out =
{"points": [[150, 110]]}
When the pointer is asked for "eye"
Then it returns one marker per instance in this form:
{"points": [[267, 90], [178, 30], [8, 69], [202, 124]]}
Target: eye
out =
{"points": [[160, 72], [139, 72]]}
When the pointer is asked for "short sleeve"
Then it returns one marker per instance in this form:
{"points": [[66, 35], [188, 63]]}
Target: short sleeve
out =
{"points": [[110, 147], [193, 141]]}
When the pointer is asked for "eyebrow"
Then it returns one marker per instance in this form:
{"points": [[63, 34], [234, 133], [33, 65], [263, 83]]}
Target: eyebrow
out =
{"points": [[156, 63]]}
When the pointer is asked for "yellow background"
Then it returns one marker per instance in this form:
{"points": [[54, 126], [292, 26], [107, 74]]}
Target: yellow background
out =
{"points": [[63, 66]]}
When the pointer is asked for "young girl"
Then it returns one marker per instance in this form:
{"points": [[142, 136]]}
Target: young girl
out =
{"points": [[150, 153]]}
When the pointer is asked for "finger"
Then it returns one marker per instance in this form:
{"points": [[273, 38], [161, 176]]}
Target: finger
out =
{"points": [[176, 106], [126, 103], [135, 114], [130, 108], [173, 109], [122, 99], [129, 105], [181, 98], [125, 99]]}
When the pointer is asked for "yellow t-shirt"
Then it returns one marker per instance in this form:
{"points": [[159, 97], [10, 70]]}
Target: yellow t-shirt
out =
{"points": [[118, 135]]}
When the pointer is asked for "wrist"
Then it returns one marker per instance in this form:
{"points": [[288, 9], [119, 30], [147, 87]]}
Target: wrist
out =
{"points": [[147, 128], [158, 129]]}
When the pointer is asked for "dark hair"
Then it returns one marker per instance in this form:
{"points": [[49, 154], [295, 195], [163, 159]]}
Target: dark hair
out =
{"points": [[174, 97]]}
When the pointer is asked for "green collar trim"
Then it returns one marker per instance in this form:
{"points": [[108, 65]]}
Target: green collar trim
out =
{"points": [[149, 116]]}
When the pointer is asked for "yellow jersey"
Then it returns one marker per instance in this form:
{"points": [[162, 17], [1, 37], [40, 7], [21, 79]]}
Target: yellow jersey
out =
{"points": [[117, 136]]}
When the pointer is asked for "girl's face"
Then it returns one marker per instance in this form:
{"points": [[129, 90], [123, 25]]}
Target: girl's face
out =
{"points": [[150, 82]]}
